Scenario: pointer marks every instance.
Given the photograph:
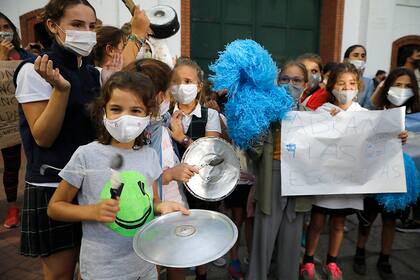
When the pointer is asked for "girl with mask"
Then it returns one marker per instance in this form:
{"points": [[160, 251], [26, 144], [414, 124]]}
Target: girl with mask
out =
{"points": [[107, 53], [52, 92], [174, 173], [399, 89], [295, 76], [356, 55], [190, 121], [343, 86], [10, 49], [121, 112], [313, 64]]}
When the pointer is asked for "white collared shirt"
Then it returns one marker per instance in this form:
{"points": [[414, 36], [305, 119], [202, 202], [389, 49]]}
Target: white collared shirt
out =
{"points": [[213, 121]]}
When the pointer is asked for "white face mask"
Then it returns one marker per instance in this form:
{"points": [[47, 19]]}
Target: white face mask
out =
{"points": [[344, 96], [126, 128], [398, 96], [80, 42], [184, 93], [359, 64], [8, 36], [164, 107], [314, 80]]}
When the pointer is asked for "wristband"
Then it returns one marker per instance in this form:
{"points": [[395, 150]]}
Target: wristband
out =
{"points": [[137, 40]]}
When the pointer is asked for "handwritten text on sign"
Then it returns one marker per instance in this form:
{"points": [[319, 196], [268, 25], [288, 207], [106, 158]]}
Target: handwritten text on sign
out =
{"points": [[9, 119], [352, 152]]}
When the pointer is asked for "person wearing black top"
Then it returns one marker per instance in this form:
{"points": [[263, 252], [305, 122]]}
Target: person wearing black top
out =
{"points": [[53, 92]]}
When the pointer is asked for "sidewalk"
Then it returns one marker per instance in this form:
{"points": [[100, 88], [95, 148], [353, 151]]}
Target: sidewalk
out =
{"points": [[405, 257]]}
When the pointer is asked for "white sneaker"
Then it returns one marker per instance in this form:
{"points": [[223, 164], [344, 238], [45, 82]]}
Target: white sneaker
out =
{"points": [[220, 262]]}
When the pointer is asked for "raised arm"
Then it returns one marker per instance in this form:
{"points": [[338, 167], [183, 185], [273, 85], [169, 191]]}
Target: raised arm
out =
{"points": [[45, 118]]}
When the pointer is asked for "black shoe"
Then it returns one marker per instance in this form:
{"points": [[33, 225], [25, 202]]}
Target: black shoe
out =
{"points": [[359, 265], [385, 271], [408, 226]]}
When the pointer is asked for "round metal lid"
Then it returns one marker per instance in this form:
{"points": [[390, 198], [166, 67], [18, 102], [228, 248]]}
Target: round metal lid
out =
{"points": [[163, 21], [176, 240], [213, 183]]}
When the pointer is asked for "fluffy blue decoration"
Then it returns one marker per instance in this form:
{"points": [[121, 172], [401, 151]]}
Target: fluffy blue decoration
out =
{"points": [[248, 73], [399, 201]]}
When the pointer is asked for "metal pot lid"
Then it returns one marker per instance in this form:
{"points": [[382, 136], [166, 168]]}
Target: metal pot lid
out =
{"points": [[213, 183], [176, 240], [163, 21]]}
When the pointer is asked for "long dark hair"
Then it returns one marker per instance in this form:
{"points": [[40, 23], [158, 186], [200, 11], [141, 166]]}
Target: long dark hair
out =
{"points": [[16, 40], [380, 100], [351, 48], [106, 35], [340, 69], [137, 83]]}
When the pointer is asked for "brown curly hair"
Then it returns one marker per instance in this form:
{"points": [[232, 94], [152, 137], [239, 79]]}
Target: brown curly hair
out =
{"points": [[137, 83], [336, 72]]}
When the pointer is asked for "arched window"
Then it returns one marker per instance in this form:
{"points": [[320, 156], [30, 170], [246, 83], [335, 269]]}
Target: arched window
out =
{"points": [[398, 45]]}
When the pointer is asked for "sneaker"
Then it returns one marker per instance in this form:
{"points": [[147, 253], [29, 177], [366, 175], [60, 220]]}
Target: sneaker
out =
{"points": [[333, 272], [307, 271], [12, 218], [234, 270], [220, 262], [359, 265], [408, 226], [385, 271]]}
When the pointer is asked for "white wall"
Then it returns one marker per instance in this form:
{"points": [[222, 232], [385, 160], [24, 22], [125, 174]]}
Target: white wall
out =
{"points": [[111, 12], [376, 24]]}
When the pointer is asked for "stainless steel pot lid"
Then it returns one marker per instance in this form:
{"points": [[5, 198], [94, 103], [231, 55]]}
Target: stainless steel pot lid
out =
{"points": [[176, 240], [213, 183], [163, 21]]}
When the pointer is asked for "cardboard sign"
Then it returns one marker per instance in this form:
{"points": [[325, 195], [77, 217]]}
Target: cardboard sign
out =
{"points": [[350, 153], [9, 117]]}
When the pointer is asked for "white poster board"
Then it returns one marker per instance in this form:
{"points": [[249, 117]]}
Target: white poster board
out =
{"points": [[350, 153]]}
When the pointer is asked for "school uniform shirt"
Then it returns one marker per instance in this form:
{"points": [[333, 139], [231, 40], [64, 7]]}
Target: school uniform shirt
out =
{"points": [[213, 120], [31, 87], [105, 254], [354, 201]]}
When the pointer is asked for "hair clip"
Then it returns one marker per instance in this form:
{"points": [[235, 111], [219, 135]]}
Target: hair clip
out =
{"points": [[138, 67]]}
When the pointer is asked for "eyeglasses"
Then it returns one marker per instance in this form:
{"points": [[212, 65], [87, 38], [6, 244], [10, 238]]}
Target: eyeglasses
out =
{"points": [[284, 79]]}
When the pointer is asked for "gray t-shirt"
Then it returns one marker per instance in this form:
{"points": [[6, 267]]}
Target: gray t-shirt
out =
{"points": [[106, 254]]}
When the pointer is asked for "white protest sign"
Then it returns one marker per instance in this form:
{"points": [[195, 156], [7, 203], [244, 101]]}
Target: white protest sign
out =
{"points": [[350, 153], [9, 117]]}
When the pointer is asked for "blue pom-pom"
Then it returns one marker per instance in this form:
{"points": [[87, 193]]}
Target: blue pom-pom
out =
{"points": [[399, 201], [248, 73]]}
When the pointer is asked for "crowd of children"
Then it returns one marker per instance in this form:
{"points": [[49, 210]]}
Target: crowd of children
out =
{"points": [[98, 91]]}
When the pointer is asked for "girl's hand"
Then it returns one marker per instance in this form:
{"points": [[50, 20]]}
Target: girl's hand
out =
{"points": [[112, 67], [177, 131], [212, 104], [44, 67], [334, 111], [5, 47], [403, 136], [139, 23], [183, 172], [106, 211], [166, 207]]}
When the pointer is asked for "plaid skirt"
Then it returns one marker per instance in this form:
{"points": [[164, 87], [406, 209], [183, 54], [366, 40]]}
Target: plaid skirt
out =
{"points": [[41, 235]]}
